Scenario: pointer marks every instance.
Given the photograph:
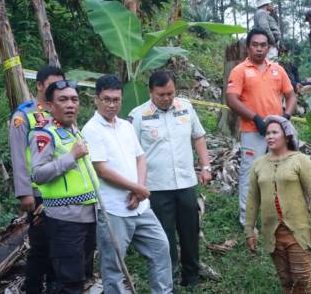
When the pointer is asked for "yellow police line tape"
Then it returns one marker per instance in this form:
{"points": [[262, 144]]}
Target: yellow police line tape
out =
{"points": [[223, 106], [11, 62], [31, 74]]}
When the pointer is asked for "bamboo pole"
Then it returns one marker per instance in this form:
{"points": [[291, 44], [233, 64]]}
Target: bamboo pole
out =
{"points": [[16, 87], [45, 33]]}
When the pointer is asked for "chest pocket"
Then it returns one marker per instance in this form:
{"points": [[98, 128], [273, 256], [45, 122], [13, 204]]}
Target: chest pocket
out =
{"points": [[182, 122], [151, 130]]}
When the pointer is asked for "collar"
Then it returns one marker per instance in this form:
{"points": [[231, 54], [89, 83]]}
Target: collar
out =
{"points": [[152, 108], [248, 62], [104, 122]]}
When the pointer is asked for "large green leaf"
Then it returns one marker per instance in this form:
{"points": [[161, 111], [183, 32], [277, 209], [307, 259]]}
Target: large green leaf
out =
{"points": [[134, 94], [154, 38], [178, 27], [158, 56], [219, 28], [82, 75], [119, 28]]}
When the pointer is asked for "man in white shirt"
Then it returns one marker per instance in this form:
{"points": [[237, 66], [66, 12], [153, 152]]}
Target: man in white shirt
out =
{"points": [[120, 164]]}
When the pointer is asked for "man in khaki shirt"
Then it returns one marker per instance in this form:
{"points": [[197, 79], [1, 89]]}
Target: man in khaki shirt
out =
{"points": [[166, 128]]}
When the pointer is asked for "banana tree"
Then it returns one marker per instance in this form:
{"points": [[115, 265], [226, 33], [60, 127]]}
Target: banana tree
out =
{"points": [[120, 31]]}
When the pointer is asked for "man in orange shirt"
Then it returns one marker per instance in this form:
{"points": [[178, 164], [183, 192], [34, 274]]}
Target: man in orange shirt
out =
{"points": [[255, 89]]}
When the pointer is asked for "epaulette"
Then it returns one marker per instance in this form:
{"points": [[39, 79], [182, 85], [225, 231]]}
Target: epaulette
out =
{"points": [[25, 105]]}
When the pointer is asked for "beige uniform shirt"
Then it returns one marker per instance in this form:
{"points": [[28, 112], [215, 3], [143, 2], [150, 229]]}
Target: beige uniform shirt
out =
{"points": [[166, 137]]}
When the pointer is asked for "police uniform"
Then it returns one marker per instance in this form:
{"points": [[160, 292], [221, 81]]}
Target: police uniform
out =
{"points": [[23, 119], [166, 137], [69, 197]]}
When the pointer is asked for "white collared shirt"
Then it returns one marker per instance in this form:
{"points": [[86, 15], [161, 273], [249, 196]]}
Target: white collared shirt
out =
{"points": [[117, 145]]}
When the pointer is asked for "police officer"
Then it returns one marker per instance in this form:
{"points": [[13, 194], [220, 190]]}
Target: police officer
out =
{"points": [[25, 117], [166, 127], [61, 169]]}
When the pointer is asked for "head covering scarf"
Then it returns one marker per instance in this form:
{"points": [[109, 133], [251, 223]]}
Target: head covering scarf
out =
{"points": [[286, 125]]}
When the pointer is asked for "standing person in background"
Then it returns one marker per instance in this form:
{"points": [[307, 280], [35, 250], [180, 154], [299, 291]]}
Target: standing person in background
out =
{"points": [[280, 187], [61, 168], [166, 127], [263, 20], [24, 119], [121, 166], [255, 89]]}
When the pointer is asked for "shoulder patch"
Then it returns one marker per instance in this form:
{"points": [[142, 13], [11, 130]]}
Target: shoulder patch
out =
{"points": [[42, 141], [18, 121]]}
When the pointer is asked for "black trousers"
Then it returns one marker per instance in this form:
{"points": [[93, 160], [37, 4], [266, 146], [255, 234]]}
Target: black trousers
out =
{"points": [[38, 266], [178, 209], [72, 247]]}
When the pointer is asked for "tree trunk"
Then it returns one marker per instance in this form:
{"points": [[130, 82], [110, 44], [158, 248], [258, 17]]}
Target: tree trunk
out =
{"points": [[175, 13], [281, 21], [45, 33], [247, 14], [16, 87], [229, 122], [131, 5]]}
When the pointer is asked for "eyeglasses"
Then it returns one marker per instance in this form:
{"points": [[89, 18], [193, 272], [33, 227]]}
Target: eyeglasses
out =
{"points": [[109, 101]]}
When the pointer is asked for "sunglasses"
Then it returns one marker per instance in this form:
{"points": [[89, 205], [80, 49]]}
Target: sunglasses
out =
{"points": [[59, 85], [62, 84]]}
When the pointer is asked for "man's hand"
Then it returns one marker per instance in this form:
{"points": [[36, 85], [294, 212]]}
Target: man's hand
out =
{"points": [[27, 203], [260, 124], [133, 201], [204, 177], [141, 190], [79, 149], [252, 243]]}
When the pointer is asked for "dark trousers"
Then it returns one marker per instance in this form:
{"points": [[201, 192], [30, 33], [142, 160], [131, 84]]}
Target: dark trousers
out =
{"points": [[177, 209], [38, 263], [71, 245]]}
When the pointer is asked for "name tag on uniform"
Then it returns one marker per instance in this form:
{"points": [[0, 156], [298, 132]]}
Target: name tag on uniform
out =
{"points": [[180, 112], [150, 117]]}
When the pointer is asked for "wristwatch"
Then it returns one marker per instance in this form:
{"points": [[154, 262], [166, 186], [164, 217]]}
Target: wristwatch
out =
{"points": [[207, 168]]}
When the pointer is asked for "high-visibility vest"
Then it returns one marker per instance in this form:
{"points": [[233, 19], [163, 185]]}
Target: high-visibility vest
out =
{"points": [[74, 186]]}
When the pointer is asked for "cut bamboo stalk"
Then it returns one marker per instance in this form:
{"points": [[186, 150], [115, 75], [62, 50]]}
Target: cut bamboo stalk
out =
{"points": [[45, 33], [16, 87]]}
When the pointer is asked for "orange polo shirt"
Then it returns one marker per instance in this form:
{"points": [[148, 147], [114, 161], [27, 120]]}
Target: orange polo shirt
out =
{"points": [[259, 91]]}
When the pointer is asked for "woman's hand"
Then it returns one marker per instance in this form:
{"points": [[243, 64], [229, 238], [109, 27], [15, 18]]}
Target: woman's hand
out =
{"points": [[252, 243]]}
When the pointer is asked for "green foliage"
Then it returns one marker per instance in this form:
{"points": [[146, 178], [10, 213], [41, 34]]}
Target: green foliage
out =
{"points": [[120, 31], [242, 272], [208, 119], [207, 54]]}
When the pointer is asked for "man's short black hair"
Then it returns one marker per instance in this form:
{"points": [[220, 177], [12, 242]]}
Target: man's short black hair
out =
{"points": [[108, 82], [160, 79], [254, 32], [308, 15], [46, 71]]}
